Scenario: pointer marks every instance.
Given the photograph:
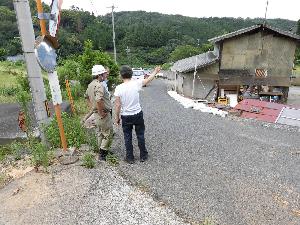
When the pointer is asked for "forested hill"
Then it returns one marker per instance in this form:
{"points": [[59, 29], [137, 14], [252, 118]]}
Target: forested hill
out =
{"points": [[155, 29], [150, 38]]}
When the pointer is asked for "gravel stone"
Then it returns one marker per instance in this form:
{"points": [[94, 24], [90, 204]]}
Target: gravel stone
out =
{"points": [[75, 195], [233, 170]]}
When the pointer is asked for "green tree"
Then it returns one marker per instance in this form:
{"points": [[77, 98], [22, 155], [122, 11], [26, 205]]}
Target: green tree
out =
{"points": [[69, 44], [91, 57], [3, 54], [184, 51]]}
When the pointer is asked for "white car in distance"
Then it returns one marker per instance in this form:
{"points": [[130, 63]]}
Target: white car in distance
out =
{"points": [[138, 73]]}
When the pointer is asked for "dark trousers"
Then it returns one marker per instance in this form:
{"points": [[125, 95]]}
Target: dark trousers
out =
{"points": [[137, 121]]}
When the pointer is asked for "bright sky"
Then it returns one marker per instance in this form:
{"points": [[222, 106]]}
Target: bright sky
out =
{"points": [[285, 9]]}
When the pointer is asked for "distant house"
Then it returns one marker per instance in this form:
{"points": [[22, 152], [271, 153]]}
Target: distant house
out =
{"points": [[258, 56], [15, 58]]}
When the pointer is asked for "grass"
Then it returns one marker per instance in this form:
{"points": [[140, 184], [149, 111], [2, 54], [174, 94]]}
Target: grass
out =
{"points": [[81, 106], [88, 160], [297, 71], [4, 151], [8, 79]]}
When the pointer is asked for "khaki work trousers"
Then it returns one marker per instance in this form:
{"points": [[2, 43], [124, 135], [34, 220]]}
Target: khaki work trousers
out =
{"points": [[104, 131]]}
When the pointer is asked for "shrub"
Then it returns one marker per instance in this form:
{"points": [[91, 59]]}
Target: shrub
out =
{"points": [[23, 82], [166, 66], [76, 91], [91, 139], [112, 159], [40, 156], [75, 133], [88, 160], [3, 54], [69, 70], [8, 91], [4, 151], [18, 150]]}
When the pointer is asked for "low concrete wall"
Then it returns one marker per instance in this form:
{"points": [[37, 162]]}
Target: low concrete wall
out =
{"points": [[296, 81]]}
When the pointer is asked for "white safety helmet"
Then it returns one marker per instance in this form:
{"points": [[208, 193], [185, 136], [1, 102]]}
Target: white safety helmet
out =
{"points": [[98, 70]]}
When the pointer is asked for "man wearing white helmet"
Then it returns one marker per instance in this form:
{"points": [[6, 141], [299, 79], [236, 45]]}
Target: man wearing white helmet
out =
{"points": [[99, 100]]}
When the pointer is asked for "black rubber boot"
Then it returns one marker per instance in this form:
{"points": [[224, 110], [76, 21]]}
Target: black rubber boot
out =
{"points": [[103, 154]]}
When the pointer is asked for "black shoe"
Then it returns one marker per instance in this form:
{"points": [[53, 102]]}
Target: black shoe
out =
{"points": [[103, 154], [144, 158], [129, 161]]}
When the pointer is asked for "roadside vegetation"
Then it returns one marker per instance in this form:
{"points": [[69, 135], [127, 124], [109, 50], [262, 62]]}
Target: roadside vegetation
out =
{"points": [[297, 70], [14, 88], [143, 38], [9, 73]]}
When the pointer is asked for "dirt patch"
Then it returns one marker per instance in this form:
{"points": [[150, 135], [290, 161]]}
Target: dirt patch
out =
{"points": [[22, 195]]}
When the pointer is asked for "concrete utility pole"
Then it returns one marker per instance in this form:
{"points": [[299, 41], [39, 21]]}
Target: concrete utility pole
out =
{"points": [[33, 69], [267, 4], [114, 35]]}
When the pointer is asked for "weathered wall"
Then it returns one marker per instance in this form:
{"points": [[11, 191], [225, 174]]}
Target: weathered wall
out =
{"points": [[179, 81], [296, 81], [258, 50], [204, 82]]}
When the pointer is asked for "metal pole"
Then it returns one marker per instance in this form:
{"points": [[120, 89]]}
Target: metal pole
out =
{"points": [[56, 107], [33, 69], [114, 35], [195, 72]]}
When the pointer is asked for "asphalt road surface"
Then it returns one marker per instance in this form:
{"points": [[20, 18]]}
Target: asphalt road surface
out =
{"points": [[9, 128], [232, 170]]}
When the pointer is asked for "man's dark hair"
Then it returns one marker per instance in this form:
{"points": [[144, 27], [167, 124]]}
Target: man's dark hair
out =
{"points": [[126, 72]]}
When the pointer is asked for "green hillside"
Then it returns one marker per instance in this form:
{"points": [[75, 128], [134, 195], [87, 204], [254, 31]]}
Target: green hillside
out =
{"points": [[150, 37]]}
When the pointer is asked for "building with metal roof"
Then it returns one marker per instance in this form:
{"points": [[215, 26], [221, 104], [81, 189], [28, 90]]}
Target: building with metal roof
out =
{"points": [[257, 56]]}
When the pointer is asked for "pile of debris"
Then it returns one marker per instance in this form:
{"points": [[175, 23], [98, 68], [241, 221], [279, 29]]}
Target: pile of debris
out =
{"points": [[197, 105], [269, 112], [248, 108]]}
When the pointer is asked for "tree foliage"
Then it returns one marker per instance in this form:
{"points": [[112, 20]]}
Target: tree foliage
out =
{"points": [[151, 37], [80, 67], [185, 51]]}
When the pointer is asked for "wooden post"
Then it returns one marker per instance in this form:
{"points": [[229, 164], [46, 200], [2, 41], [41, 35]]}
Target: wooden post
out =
{"points": [[61, 127], [70, 96], [42, 21], [56, 107]]}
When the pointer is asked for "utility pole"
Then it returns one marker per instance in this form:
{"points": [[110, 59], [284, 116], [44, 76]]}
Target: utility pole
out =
{"points": [[267, 4], [33, 69], [114, 35]]}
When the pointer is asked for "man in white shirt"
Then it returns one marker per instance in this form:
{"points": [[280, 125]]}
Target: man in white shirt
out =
{"points": [[128, 108]]}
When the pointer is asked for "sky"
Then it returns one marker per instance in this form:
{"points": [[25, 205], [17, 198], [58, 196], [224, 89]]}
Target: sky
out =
{"points": [[284, 9]]}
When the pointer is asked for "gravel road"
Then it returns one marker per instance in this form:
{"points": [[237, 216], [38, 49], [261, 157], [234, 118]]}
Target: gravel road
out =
{"points": [[73, 195], [232, 170]]}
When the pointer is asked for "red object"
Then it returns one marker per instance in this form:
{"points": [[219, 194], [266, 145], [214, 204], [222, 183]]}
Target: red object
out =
{"points": [[260, 110]]}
